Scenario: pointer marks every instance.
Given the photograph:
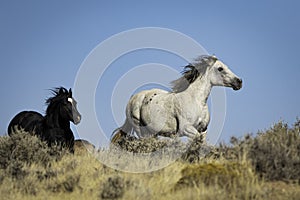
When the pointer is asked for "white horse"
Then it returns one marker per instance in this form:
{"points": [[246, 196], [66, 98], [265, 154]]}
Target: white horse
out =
{"points": [[182, 112]]}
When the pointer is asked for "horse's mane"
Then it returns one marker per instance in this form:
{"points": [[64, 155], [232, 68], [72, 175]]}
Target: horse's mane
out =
{"points": [[59, 94], [192, 71]]}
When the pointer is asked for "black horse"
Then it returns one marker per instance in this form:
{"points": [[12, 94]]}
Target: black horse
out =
{"points": [[54, 127]]}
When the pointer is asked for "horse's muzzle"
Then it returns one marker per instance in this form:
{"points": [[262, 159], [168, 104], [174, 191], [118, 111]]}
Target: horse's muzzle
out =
{"points": [[237, 84], [77, 119]]}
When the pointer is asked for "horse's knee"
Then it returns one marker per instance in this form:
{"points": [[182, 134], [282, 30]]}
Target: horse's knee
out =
{"points": [[188, 131]]}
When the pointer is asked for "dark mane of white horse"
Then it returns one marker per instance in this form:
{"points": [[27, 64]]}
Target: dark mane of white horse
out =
{"points": [[192, 71]]}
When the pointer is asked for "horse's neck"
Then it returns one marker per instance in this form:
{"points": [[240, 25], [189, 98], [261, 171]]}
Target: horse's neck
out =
{"points": [[55, 121], [199, 90]]}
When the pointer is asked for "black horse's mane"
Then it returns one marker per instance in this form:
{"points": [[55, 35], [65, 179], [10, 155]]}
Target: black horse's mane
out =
{"points": [[192, 71], [59, 94]]}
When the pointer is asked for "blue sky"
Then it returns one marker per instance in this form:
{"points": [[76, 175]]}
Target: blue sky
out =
{"points": [[44, 43]]}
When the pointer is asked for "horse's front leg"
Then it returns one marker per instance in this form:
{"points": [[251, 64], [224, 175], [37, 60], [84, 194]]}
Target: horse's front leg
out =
{"points": [[204, 133], [191, 132]]}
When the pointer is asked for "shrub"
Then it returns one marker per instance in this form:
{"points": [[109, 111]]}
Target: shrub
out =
{"points": [[67, 183], [236, 178], [82, 147], [197, 149], [192, 151], [143, 145], [22, 149], [113, 188], [274, 153]]}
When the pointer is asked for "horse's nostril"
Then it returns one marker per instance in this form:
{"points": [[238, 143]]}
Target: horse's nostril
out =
{"points": [[239, 80]]}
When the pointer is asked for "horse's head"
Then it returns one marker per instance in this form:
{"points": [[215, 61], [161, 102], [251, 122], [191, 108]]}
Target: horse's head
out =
{"points": [[221, 75], [73, 113], [63, 105], [209, 67]]}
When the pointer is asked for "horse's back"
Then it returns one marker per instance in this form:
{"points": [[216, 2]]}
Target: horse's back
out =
{"points": [[139, 99], [27, 120]]}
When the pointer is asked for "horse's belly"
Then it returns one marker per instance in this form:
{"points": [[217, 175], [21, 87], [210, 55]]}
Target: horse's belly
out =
{"points": [[168, 130], [163, 127]]}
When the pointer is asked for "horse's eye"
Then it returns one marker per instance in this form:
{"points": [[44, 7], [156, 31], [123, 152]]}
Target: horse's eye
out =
{"points": [[220, 69]]}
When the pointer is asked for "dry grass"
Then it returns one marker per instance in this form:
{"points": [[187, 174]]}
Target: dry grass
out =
{"points": [[29, 169]]}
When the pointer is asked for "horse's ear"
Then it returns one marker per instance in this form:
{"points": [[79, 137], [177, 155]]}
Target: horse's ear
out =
{"points": [[70, 92], [211, 59], [61, 91]]}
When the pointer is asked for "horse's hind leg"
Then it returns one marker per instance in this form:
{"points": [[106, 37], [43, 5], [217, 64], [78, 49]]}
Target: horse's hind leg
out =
{"points": [[133, 113], [137, 126], [127, 128]]}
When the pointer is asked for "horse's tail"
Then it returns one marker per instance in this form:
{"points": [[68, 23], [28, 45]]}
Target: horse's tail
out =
{"points": [[121, 132]]}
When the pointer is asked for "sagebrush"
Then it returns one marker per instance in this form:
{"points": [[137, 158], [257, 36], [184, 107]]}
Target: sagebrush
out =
{"points": [[253, 167]]}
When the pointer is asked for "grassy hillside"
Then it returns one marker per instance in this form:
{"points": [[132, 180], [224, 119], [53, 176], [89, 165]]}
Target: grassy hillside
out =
{"points": [[266, 166]]}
